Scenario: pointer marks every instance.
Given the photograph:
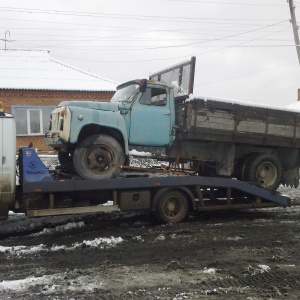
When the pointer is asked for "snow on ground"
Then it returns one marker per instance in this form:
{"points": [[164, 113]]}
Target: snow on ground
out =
{"points": [[139, 153], [64, 227], [51, 284], [99, 243]]}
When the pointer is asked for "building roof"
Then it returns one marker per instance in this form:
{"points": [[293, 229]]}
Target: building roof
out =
{"points": [[36, 70]]}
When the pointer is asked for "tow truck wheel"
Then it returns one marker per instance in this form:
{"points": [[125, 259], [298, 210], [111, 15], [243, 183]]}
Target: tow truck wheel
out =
{"points": [[264, 169], [94, 157], [172, 207]]}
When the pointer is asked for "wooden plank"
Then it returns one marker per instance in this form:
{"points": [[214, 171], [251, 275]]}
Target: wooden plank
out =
{"points": [[238, 122], [255, 139], [70, 210]]}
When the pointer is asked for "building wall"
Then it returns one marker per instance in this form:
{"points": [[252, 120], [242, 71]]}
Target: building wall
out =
{"points": [[44, 98]]}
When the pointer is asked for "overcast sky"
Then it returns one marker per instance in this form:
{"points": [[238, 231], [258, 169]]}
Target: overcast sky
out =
{"points": [[244, 48]]}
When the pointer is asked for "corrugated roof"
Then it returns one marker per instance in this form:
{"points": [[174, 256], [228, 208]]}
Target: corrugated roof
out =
{"points": [[36, 70]]}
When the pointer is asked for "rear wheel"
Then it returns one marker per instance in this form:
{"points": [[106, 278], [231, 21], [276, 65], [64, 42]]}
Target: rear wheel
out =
{"points": [[172, 207], [264, 169], [94, 157]]}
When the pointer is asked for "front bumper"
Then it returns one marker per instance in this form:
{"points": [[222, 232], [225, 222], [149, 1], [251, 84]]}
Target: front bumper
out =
{"points": [[54, 142]]}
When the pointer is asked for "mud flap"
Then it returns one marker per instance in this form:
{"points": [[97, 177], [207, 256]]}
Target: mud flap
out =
{"points": [[3, 211], [225, 158], [291, 177], [289, 158]]}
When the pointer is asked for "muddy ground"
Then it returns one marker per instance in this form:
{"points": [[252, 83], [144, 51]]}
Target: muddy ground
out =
{"points": [[252, 254]]}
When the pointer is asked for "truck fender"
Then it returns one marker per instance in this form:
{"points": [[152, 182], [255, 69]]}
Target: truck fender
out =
{"points": [[106, 119], [163, 190]]}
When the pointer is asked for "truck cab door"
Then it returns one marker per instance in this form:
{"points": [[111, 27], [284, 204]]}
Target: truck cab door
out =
{"points": [[150, 120]]}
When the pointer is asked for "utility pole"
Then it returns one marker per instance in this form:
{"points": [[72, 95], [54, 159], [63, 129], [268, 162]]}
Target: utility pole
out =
{"points": [[5, 40], [295, 27]]}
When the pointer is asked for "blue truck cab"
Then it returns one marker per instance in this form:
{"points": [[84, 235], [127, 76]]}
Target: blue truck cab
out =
{"points": [[92, 137]]}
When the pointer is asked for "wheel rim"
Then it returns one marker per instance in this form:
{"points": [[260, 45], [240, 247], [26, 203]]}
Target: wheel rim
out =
{"points": [[266, 174], [173, 207], [99, 159]]}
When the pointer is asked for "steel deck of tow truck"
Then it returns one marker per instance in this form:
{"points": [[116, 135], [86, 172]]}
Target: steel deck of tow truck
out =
{"points": [[37, 179]]}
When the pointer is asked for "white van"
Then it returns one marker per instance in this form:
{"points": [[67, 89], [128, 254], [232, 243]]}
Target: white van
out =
{"points": [[7, 162]]}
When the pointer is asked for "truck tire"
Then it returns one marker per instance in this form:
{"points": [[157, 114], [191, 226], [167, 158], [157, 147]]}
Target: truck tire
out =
{"points": [[94, 156], [172, 207], [263, 169]]}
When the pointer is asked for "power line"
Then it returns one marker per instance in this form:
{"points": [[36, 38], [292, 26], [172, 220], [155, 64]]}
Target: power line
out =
{"points": [[245, 75], [124, 28], [139, 39], [105, 15], [225, 3], [161, 47], [181, 57], [198, 30], [221, 38]]}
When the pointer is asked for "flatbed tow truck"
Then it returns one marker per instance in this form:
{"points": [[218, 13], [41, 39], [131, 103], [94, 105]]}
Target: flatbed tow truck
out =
{"points": [[170, 197]]}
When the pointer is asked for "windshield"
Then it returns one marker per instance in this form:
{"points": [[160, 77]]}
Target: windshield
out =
{"points": [[125, 94]]}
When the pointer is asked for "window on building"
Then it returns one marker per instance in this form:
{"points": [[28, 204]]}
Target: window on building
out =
{"points": [[32, 120]]}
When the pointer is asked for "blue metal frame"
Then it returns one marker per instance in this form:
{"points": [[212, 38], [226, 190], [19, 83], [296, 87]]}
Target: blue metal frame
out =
{"points": [[36, 178], [32, 168]]}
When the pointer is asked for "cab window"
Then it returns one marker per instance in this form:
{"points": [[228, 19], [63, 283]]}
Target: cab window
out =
{"points": [[154, 96]]}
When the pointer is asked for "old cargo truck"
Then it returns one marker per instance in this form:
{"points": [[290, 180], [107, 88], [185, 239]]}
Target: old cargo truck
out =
{"points": [[217, 138], [43, 192]]}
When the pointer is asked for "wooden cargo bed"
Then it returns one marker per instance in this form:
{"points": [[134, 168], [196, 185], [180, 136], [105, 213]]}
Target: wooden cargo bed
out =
{"points": [[230, 122]]}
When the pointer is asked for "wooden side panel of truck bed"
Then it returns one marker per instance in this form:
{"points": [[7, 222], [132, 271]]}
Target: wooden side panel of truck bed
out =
{"points": [[222, 121]]}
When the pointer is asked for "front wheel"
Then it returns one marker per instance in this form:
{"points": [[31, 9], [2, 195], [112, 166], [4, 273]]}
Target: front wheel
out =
{"points": [[94, 157], [172, 207]]}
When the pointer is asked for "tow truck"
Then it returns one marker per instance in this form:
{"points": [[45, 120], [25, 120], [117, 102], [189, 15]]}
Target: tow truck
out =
{"points": [[170, 196]]}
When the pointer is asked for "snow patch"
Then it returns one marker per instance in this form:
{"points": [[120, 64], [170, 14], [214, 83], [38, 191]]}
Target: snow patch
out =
{"points": [[260, 269], [182, 296], [49, 284], [61, 228], [160, 238], [100, 243], [209, 271], [138, 238], [294, 107], [236, 238], [139, 153], [222, 291]]}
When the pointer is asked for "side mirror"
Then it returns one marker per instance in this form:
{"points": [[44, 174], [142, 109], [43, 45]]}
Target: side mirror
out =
{"points": [[143, 86]]}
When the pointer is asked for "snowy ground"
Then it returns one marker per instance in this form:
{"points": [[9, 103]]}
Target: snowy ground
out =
{"points": [[252, 254]]}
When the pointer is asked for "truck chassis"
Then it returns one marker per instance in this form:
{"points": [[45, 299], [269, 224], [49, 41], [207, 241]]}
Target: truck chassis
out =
{"points": [[169, 197]]}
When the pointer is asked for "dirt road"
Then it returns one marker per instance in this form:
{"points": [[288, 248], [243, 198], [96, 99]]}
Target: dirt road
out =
{"points": [[251, 255]]}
